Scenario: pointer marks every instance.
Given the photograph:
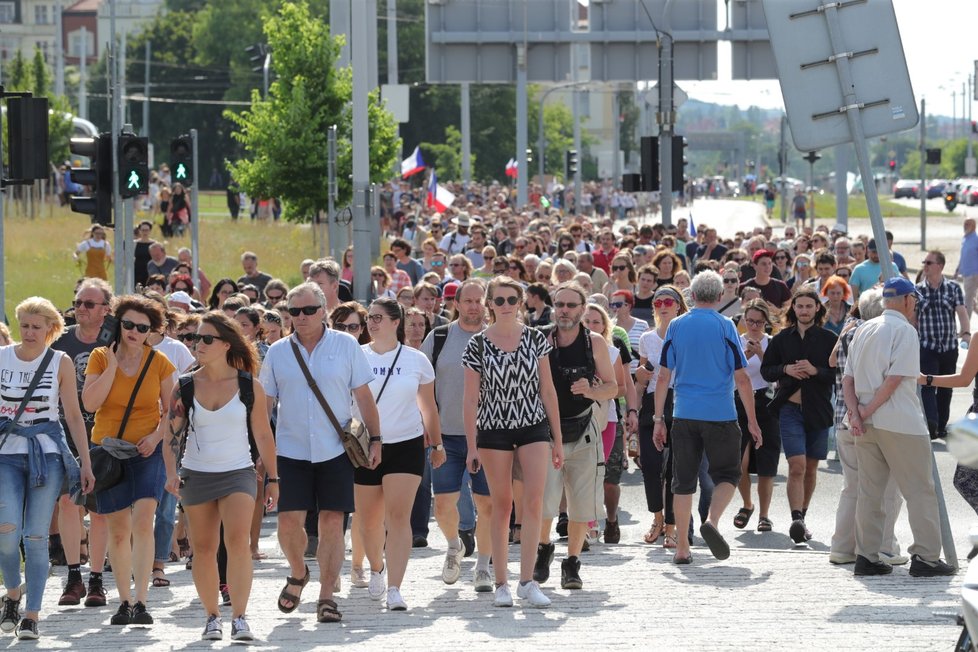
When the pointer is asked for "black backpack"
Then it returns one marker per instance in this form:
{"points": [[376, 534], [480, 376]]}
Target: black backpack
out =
{"points": [[246, 391]]}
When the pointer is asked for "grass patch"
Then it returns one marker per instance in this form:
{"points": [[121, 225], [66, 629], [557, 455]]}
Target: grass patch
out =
{"points": [[825, 206]]}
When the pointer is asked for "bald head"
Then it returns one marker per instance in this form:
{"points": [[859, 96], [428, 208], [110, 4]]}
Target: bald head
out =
{"points": [[969, 225]]}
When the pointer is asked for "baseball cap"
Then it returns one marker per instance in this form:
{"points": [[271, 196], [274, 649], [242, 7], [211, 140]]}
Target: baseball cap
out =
{"points": [[761, 253], [180, 297], [898, 287], [450, 290]]}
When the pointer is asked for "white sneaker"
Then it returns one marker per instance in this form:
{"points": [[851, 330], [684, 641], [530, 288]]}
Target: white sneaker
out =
{"points": [[452, 568], [394, 600], [358, 578], [894, 560], [482, 581], [378, 584], [532, 594], [840, 558], [503, 597]]}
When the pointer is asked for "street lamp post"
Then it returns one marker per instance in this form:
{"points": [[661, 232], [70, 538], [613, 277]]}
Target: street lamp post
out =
{"points": [[541, 138]]}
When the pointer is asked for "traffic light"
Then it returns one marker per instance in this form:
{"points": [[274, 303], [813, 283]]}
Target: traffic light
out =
{"points": [[133, 165], [933, 156], [97, 177], [650, 163], [679, 162], [529, 155], [571, 156], [892, 165], [27, 137], [256, 55], [182, 160]]}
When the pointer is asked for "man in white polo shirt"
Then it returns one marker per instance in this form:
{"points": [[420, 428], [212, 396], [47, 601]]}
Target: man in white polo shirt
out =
{"points": [[887, 420]]}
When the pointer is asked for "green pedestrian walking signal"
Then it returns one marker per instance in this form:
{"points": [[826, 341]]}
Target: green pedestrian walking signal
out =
{"points": [[182, 160], [133, 181], [181, 172], [133, 165]]}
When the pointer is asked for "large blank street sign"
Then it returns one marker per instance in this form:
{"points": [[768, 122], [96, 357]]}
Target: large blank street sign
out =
{"points": [[809, 77]]}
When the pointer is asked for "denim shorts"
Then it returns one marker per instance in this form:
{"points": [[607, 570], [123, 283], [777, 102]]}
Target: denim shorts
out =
{"points": [[448, 478], [142, 477], [795, 440]]}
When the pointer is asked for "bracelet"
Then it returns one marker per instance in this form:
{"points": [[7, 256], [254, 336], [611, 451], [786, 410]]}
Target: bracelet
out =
{"points": [[630, 410], [271, 480], [658, 419], [376, 439]]}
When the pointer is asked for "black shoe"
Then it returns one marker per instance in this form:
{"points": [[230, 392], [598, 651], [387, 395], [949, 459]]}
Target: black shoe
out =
{"points": [[468, 541], [612, 533], [921, 568], [27, 630], [545, 556], [11, 615], [562, 525], [570, 574], [420, 542], [140, 616], [56, 551], [797, 531], [123, 616], [864, 567]]}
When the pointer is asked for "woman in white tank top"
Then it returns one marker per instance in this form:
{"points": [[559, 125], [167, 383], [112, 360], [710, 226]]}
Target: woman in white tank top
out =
{"points": [[218, 475]]}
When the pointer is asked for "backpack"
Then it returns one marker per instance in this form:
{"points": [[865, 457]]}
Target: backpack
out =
{"points": [[246, 391], [440, 335]]}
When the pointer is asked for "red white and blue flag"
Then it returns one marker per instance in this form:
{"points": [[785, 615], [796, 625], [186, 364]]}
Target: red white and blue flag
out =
{"points": [[439, 198], [412, 164], [512, 168]]}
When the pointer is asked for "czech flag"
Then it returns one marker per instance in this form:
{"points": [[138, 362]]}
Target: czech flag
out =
{"points": [[692, 226], [412, 164], [511, 168], [439, 198]]}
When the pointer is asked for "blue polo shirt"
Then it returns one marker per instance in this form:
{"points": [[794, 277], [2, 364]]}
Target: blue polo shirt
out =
{"points": [[702, 350]]}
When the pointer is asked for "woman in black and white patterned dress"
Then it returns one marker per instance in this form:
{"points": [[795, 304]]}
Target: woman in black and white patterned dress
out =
{"points": [[510, 408]]}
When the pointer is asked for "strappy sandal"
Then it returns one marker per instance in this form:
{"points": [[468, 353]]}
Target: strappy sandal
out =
{"points": [[764, 524], [669, 541], [742, 518], [326, 612], [160, 581], [184, 545], [658, 527], [293, 598]]}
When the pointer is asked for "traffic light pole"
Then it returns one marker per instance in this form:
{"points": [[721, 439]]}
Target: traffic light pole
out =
{"points": [[194, 216], [3, 255], [665, 120], [360, 26], [121, 237]]}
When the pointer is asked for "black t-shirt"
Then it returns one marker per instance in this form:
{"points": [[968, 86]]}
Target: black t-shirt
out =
{"points": [[141, 257], [567, 364], [78, 351]]}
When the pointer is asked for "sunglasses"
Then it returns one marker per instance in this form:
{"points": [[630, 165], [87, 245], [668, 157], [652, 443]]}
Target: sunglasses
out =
{"points": [[456, 265], [500, 301], [274, 297], [564, 304], [376, 319], [129, 325], [488, 257], [780, 258], [187, 337], [304, 310], [206, 339], [437, 263], [664, 303], [377, 276], [618, 268], [731, 281], [616, 304], [924, 263], [88, 304], [347, 328]]}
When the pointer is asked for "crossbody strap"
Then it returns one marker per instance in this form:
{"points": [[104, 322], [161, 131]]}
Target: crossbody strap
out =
{"points": [[135, 390], [388, 376], [45, 361], [315, 388]]}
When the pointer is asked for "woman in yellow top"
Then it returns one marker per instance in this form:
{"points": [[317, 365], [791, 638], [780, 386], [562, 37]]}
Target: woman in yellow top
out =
{"points": [[97, 252], [129, 506]]}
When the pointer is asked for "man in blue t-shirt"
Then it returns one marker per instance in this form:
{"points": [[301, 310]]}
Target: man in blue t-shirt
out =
{"points": [[702, 353]]}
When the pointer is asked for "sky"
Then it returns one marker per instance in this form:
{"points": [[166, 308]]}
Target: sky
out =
{"points": [[940, 42]]}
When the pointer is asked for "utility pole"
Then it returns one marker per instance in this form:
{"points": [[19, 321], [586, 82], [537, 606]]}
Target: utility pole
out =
{"points": [[467, 136], [121, 237], [145, 129], [335, 248], [922, 146], [782, 169], [522, 165], [666, 118], [83, 76], [615, 140], [194, 212], [59, 52], [392, 73], [578, 185], [360, 27]]}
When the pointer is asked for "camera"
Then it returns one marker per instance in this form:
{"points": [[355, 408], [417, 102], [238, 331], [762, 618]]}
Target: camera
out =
{"points": [[574, 374]]}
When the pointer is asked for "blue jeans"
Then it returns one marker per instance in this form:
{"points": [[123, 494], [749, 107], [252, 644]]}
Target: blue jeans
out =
{"points": [[29, 510], [163, 527]]}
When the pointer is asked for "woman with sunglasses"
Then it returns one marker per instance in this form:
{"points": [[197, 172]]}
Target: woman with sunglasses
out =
{"points": [[488, 267], [350, 317], [404, 390], [97, 252], [621, 303], [656, 475], [565, 243], [516, 270], [729, 305], [761, 461], [460, 267], [381, 280], [782, 263], [509, 398], [216, 481], [222, 290], [801, 271], [623, 276], [129, 507], [275, 291]]}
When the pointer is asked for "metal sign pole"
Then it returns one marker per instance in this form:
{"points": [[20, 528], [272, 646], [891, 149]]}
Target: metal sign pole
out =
{"points": [[332, 227], [120, 232], [3, 254], [923, 176], [195, 214], [665, 120], [360, 26]]}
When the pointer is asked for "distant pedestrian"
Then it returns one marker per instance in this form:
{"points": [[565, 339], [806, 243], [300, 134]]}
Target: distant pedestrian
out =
{"points": [[968, 264]]}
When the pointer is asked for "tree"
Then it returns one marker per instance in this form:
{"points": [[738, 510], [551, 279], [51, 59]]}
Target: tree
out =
{"points": [[285, 135], [446, 157]]}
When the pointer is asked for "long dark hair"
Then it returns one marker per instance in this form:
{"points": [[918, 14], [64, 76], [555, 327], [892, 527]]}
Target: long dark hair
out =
{"points": [[805, 290], [344, 310], [214, 302], [254, 316], [242, 355], [395, 311]]}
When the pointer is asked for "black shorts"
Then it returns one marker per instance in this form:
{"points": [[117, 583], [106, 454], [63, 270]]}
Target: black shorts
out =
{"points": [[324, 486], [511, 439], [402, 457], [720, 440], [763, 461]]}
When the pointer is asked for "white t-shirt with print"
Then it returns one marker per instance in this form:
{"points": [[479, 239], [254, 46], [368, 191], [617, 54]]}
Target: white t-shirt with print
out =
{"points": [[400, 418]]}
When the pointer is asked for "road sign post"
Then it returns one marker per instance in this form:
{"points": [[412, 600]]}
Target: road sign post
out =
{"points": [[194, 213]]}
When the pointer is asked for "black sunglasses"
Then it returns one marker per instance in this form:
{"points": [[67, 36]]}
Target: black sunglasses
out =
{"points": [[511, 300], [88, 304], [187, 337], [304, 310], [129, 325], [618, 268], [346, 328], [207, 339], [276, 298]]}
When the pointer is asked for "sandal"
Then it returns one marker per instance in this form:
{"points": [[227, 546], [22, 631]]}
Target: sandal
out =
{"points": [[326, 612], [743, 517], [764, 524], [184, 544], [517, 533], [682, 561], [160, 581], [669, 542], [258, 556], [293, 598], [658, 527]]}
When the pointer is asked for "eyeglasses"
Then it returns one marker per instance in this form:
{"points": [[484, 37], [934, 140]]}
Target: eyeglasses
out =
{"points": [[664, 303], [619, 268], [206, 339], [731, 281], [438, 263], [347, 328], [129, 325], [88, 304], [304, 310], [925, 263], [488, 257], [274, 297], [376, 318], [514, 268], [564, 304], [780, 258], [511, 300], [616, 304], [755, 322]]}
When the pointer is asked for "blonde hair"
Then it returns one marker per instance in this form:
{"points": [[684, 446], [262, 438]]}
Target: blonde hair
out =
{"points": [[5, 338], [501, 282], [606, 333], [45, 309]]}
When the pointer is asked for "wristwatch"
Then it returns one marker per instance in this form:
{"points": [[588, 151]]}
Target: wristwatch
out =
{"points": [[437, 447], [930, 381], [376, 439], [658, 419], [271, 480]]}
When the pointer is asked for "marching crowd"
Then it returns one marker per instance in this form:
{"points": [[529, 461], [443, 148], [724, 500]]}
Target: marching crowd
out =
{"points": [[511, 364]]}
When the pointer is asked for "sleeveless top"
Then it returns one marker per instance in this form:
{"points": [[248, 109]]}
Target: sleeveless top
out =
{"points": [[15, 376], [564, 362], [218, 439]]}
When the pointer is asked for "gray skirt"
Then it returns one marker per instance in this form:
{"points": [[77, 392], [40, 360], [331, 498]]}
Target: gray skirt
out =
{"points": [[202, 487]]}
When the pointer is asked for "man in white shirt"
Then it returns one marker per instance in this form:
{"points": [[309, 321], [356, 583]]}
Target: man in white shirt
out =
{"points": [[454, 242]]}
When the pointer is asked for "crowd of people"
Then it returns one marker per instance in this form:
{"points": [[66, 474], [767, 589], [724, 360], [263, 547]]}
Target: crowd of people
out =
{"points": [[508, 367]]}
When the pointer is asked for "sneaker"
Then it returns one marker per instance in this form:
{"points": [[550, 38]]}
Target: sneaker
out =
{"points": [[865, 568], [841, 558], [419, 542], [570, 574], [612, 533], [123, 616], [74, 590], [468, 541], [894, 560], [545, 556], [531, 593], [562, 525], [240, 630], [358, 578], [140, 616], [378, 584], [452, 568], [921, 568], [225, 595], [482, 581], [503, 597], [797, 531], [213, 630], [394, 600], [96, 593], [27, 630], [11, 615], [312, 544]]}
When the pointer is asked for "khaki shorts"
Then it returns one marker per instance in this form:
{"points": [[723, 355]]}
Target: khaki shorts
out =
{"points": [[581, 478]]}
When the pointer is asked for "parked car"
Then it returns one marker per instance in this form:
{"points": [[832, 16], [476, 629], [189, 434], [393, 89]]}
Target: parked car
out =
{"points": [[936, 188], [906, 188]]}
